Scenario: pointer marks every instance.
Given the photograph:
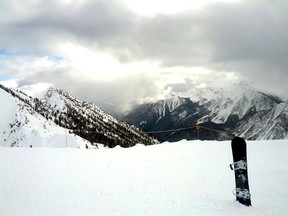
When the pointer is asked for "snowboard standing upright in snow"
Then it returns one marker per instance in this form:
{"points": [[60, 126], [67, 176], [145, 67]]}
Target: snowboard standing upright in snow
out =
{"points": [[239, 166]]}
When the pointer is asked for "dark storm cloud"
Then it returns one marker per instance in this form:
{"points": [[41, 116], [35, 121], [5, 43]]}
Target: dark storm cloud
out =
{"points": [[221, 33], [248, 38], [248, 32], [93, 23], [98, 20], [174, 39]]}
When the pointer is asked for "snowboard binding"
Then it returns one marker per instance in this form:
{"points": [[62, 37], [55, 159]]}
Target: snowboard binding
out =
{"points": [[241, 193], [239, 165]]}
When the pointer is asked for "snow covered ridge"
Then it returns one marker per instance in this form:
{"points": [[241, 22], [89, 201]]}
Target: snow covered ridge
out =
{"points": [[27, 121], [238, 111], [22, 126]]}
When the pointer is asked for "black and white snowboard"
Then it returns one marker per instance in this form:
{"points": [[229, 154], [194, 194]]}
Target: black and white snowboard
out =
{"points": [[239, 166]]}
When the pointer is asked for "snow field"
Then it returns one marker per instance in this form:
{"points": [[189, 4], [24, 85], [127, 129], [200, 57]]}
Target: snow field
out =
{"points": [[183, 178]]}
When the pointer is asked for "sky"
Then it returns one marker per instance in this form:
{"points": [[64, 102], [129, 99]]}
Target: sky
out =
{"points": [[122, 52]]}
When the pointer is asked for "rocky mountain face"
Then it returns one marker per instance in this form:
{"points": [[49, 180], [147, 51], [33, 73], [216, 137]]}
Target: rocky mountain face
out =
{"points": [[221, 113], [58, 108]]}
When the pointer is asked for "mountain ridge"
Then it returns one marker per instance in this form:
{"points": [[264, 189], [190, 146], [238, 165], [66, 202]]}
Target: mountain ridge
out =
{"points": [[221, 113], [232, 111], [22, 126], [80, 118]]}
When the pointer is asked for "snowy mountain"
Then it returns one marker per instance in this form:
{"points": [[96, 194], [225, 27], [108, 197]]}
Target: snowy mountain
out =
{"points": [[58, 109], [237, 103], [167, 114], [222, 113], [156, 111], [271, 124], [22, 126]]}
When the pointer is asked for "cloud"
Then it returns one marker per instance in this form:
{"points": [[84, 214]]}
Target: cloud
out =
{"points": [[244, 38], [48, 23], [219, 34], [102, 50], [249, 39]]}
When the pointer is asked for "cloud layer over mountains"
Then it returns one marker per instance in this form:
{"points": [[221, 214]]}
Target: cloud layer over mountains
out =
{"points": [[93, 47]]}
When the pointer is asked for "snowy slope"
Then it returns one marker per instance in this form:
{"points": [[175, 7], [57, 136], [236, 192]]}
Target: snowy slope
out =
{"points": [[183, 178], [168, 105], [21, 126], [266, 125]]}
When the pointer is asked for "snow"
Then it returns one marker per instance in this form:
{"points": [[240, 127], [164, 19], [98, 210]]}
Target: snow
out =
{"points": [[22, 126], [183, 178], [8, 110], [169, 104], [54, 100], [240, 103]]}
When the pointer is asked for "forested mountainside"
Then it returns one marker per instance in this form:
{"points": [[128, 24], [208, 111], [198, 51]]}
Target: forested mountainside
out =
{"points": [[78, 117]]}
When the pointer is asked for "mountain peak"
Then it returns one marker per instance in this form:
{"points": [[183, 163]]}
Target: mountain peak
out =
{"points": [[53, 97], [22, 126]]}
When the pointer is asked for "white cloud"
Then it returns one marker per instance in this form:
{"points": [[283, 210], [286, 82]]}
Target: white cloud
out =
{"points": [[37, 89], [12, 83]]}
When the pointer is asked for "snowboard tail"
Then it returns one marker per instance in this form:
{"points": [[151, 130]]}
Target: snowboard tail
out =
{"points": [[240, 168]]}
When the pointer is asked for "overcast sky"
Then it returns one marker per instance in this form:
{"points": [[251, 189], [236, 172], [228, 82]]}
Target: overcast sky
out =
{"points": [[122, 51]]}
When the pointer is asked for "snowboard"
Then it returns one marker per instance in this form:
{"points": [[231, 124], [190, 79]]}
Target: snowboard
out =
{"points": [[240, 168]]}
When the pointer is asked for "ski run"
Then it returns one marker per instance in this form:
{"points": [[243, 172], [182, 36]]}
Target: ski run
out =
{"points": [[169, 179]]}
